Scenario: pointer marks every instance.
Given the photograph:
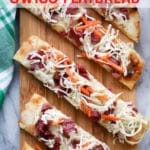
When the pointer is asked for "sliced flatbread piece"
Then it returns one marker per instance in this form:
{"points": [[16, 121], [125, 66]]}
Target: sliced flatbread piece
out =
{"points": [[55, 129], [125, 19]]}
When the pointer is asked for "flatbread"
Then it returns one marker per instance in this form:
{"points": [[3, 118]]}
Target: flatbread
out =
{"points": [[53, 128], [111, 53], [83, 91]]}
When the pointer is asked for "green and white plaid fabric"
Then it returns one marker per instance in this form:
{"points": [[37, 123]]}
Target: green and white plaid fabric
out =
{"points": [[7, 45]]}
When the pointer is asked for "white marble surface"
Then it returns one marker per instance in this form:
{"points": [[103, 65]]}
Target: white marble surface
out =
{"points": [[9, 114]]}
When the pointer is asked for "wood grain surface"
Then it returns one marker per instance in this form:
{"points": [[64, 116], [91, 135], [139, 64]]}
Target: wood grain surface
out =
{"points": [[30, 25]]}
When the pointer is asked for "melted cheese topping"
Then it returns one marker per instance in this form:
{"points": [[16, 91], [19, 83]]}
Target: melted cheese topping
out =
{"points": [[63, 19], [119, 51], [112, 12], [75, 96], [52, 114], [66, 143], [130, 123]]}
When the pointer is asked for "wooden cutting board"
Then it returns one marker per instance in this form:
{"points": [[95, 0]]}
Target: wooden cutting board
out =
{"points": [[30, 25]]}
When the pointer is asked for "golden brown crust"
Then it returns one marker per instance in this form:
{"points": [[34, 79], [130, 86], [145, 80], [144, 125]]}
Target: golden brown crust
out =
{"points": [[138, 65], [139, 135], [132, 27], [33, 43], [31, 111], [136, 15]]}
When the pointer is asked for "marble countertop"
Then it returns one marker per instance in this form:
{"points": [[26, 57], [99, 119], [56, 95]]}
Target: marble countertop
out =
{"points": [[9, 114]]}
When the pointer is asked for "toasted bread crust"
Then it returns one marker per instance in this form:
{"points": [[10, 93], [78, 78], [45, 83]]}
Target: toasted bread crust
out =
{"points": [[139, 65], [32, 109], [31, 44]]}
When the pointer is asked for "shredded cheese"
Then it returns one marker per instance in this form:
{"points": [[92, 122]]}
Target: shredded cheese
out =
{"points": [[63, 21], [66, 143], [51, 114], [118, 51], [129, 125], [111, 12]]}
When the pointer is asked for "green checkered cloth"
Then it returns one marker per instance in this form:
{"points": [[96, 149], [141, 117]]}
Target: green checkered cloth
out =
{"points": [[7, 45]]}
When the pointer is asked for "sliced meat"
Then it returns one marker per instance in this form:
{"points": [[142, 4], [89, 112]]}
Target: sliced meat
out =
{"points": [[109, 111], [95, 115], [76, 35], [42, 53], [82, 71], [57, 77], [99, 147], [125, 12], [68, 127], [75, 143], [57, 144], [42, 130], [114, 61], [45, 107], [116, 75], [31, 57], [72, 10]]}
